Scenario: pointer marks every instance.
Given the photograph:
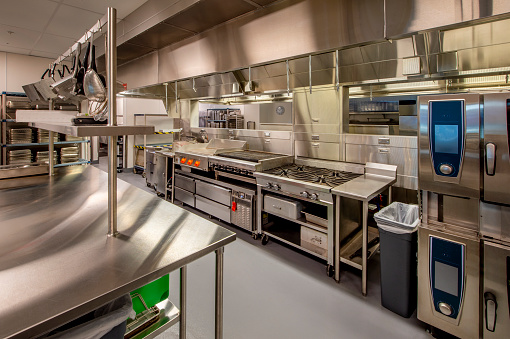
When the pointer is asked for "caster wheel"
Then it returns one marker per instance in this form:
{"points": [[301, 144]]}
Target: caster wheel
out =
{"points": [[144, 175], [265, 239], [255, 236], [330, 270], [148, 185], [119, 171]]}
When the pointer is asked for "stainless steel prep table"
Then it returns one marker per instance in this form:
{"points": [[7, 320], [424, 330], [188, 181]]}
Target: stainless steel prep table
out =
{"points": [[56, 262], [377, 179]]}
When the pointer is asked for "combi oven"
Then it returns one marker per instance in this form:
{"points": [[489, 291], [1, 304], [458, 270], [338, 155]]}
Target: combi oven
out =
{"points": [[464, 238]]}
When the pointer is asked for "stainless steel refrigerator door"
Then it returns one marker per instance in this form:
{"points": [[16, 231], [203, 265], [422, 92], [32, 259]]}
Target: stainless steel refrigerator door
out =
{"points": [[495, 309], [496, 174]]}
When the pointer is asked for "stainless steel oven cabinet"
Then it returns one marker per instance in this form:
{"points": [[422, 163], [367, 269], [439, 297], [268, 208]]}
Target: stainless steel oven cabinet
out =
{"points": [[449, 144], [449, 281], [496, 124], [496, 289]]}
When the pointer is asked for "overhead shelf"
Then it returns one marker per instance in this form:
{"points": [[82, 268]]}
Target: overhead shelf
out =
{"points": [[80, 162], [152, 145], [46, 143], [92, 130]]}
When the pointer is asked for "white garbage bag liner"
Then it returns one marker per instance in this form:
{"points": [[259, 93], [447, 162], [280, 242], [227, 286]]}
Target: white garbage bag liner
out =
{"points": [[105, 319], [398, 218]]}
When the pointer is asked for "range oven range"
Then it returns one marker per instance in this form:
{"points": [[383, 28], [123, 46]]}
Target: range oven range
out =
{"points": [[297, 206], [203, 180]]}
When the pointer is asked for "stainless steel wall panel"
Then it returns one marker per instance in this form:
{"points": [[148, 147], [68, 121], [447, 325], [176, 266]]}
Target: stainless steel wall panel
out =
{"points": [[323, 137], [412, 16], [318, 150]]}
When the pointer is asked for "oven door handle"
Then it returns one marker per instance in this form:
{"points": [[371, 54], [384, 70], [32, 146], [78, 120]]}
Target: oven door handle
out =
{"points": [[490, 158], [490, 311]]}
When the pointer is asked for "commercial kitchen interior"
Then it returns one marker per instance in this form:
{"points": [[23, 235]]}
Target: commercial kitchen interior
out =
{"points": [[285, 125]]}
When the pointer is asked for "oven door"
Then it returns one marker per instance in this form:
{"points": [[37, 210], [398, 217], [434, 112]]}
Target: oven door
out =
{"points": [[496, 125], [496, 286]]}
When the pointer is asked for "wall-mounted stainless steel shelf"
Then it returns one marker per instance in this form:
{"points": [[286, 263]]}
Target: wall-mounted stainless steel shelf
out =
{"points": [[46, 143], [92, 130]]}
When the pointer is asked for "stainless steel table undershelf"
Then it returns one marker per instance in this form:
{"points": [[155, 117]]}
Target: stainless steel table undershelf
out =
{"points": [[57, 264], [377, 179]]}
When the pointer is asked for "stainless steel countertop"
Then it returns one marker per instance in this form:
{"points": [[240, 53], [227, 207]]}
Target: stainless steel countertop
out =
{"points": [[56, 262], [364, 187]]}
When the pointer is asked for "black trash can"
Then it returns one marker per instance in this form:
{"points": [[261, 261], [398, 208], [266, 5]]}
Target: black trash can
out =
{"points": [[398, 244]]}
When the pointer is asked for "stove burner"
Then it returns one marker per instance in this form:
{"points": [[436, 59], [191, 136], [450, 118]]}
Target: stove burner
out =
{"points": [[317, 175]]}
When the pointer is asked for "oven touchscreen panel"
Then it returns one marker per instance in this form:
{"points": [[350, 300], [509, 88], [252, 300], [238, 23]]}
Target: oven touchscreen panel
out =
{"points": [[447, 275], [446, 135]]}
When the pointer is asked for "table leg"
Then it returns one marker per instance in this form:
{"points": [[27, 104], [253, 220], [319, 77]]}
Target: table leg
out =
{"points": [[182, 318], [51, 157], [337, 239], [364, 250], [389, 195], [218, 320]]}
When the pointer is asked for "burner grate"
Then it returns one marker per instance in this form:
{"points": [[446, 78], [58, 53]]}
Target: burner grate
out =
{"points": [[317, 175]]}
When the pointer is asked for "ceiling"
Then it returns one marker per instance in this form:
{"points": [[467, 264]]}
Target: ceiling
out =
{"points": [[47, 28]]}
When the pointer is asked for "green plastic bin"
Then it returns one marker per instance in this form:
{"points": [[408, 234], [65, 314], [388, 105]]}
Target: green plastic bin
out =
{"points": [[152, 293]]}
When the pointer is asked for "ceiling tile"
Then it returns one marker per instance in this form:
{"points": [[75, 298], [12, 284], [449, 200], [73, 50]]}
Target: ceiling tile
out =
{"points": [[53, 44], [16, 50], [27, 14], [72, 22], [20, 37], [124, 7], [200, 17]]}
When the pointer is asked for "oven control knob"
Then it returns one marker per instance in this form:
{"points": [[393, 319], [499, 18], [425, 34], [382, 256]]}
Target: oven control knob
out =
{"points": [[269, 185], [314, 196], [276, 187], [446, 169], [445, 308], [304, 194]]}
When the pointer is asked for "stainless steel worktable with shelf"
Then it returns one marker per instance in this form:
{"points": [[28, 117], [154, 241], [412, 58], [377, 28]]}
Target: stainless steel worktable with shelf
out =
{"points": [[56, 262], [377, 179]]}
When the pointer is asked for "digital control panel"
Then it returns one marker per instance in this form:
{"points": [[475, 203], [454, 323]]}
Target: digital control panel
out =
{"points": [[446, 133], [447, 267]]}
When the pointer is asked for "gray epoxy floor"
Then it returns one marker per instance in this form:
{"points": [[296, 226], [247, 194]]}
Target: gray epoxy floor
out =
{"points": [[274, 291]]}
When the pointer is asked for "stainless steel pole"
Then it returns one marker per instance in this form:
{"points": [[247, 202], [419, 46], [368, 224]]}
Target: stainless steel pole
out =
{"points": [[182, 320], [51, 146], [218, 319], [51, 156], [112, 120], [337, 238], [364, 250]]}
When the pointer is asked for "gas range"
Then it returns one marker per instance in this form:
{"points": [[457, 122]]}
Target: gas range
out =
{"points": [[305, 181]]}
